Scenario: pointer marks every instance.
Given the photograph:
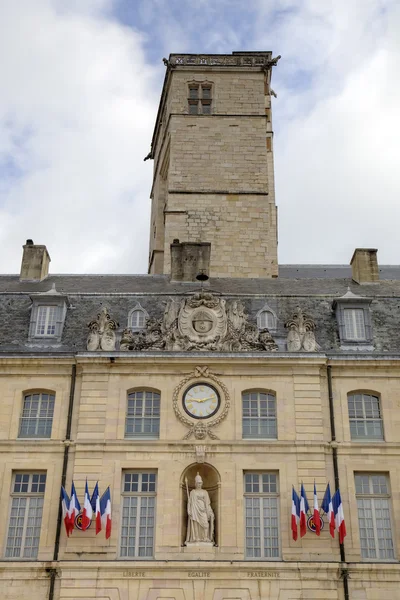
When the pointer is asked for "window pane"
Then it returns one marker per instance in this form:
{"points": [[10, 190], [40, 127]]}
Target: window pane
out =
{"points": [[365, 417], [25, 516], [259, 415], [193, 110], [354, 324], [376, 540], [261, 515], [37, 416], [143, 415], [206, 92], [138, 515]]}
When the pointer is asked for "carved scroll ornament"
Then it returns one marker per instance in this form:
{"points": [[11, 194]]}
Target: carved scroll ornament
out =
{"points": [[301, 336], [102, 332]]}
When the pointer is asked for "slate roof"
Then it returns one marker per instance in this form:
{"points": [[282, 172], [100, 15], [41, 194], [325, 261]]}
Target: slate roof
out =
{"points": [[313, 287]]}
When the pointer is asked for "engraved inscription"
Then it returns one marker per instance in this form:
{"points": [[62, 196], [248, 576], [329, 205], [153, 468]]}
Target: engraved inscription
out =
{"points": [[134, 574], [199, 574], [258, 574]]}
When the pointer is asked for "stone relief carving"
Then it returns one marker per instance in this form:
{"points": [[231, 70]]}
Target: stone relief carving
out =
{"points": [[301, 333], [102, 332], [201, 322], [201, 429], [200, 453]]}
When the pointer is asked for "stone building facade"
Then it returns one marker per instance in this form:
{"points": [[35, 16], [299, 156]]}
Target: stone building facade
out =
{"points": [[255, 382]]}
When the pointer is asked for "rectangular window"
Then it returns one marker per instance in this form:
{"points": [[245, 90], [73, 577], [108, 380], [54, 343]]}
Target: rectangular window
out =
{"points": [[26, 515], [259, 415], [261, 515], [200, 99], [37, 416], [143, 415], [46, 321], [365, 417], [354, 324], [373, 502], [138, 514]]}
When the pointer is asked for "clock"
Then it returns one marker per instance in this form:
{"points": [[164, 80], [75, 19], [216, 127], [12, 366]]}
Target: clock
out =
{"points": [[201, 401]]}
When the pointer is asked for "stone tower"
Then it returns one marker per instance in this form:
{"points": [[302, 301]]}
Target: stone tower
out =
{"points": [[213, 166]]}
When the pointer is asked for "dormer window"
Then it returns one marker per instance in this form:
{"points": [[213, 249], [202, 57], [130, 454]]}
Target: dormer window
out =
{"points": [[48, 314], [200, 98], [266, 318], [137, 318], [354, 321]]}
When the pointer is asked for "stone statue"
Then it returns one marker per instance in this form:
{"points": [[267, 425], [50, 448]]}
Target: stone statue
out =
{"points": [[102, 332], [200, 514], [301, 336]]}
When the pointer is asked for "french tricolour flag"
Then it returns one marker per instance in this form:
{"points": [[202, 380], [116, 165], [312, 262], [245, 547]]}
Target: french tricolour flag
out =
{"points": [[327, 507], [74, 508], [87, 513], [95, 502], [304, 508], [295, 513], [317, 518], [65, 502], [105, 510], [339, 515]]}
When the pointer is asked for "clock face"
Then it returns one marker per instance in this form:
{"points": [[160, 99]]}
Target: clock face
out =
{"points": [[201, 401]]}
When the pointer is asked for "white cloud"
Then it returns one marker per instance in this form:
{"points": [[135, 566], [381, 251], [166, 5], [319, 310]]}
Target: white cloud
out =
{"points": [[77, 110]]}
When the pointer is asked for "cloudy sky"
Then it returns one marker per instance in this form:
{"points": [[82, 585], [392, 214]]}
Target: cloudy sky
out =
{"points": [[80, 84]]}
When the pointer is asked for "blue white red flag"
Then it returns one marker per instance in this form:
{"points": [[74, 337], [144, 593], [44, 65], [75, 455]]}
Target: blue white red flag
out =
{"points": [[87, 513], [65, 510], [295, 513], [317, 518], [105, 510], [327, 507], [304, 508], [95, 502], [74, 507], [339, 515]]}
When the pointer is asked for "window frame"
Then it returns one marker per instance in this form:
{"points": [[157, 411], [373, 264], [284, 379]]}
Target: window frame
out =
{"points": [[138, 515], [375, 497], [60, 305], [200, 99], [30, 496], [27, 394], [137, 308], [365, 420], [354, 302], [262, 496], [270, 394], [150, 435]]}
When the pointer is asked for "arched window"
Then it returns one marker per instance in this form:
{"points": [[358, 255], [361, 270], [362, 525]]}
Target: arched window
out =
{"points": [[259, 415], [37, 415], [143, 414], [137, 318], [266, 318], [365, 416]]}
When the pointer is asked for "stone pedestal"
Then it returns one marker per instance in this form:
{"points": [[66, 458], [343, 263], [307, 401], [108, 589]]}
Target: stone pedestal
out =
{"points": [[200, 550]]}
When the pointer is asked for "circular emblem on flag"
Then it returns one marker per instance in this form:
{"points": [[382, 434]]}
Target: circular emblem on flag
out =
{"points": [[311, 524], [78, 522]]}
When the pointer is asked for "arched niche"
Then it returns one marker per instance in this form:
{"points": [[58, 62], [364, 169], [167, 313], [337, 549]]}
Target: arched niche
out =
{"points": [[211, 483]]}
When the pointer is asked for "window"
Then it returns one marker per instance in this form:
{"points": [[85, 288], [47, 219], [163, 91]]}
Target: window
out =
{"points": [[47, 316], [354, 320], [266, 320], [200, 99], [261, 515], [373, 498], [25, 515], [137, 318], [143, 414], [37, 415], [259, 415], [354, 325], [365, 417], [138, 514]]}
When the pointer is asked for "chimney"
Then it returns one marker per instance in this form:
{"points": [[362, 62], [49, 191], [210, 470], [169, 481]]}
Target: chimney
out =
{"points": [[364, 265], [35, 262], [188, 259]]}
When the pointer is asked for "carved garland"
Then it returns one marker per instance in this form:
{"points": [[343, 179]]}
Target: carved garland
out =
{"points": [[200, 430]]}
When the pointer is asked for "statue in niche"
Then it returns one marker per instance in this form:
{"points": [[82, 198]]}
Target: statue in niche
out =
{"points": [[102, 332], [301, 336], [200, 514]]}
